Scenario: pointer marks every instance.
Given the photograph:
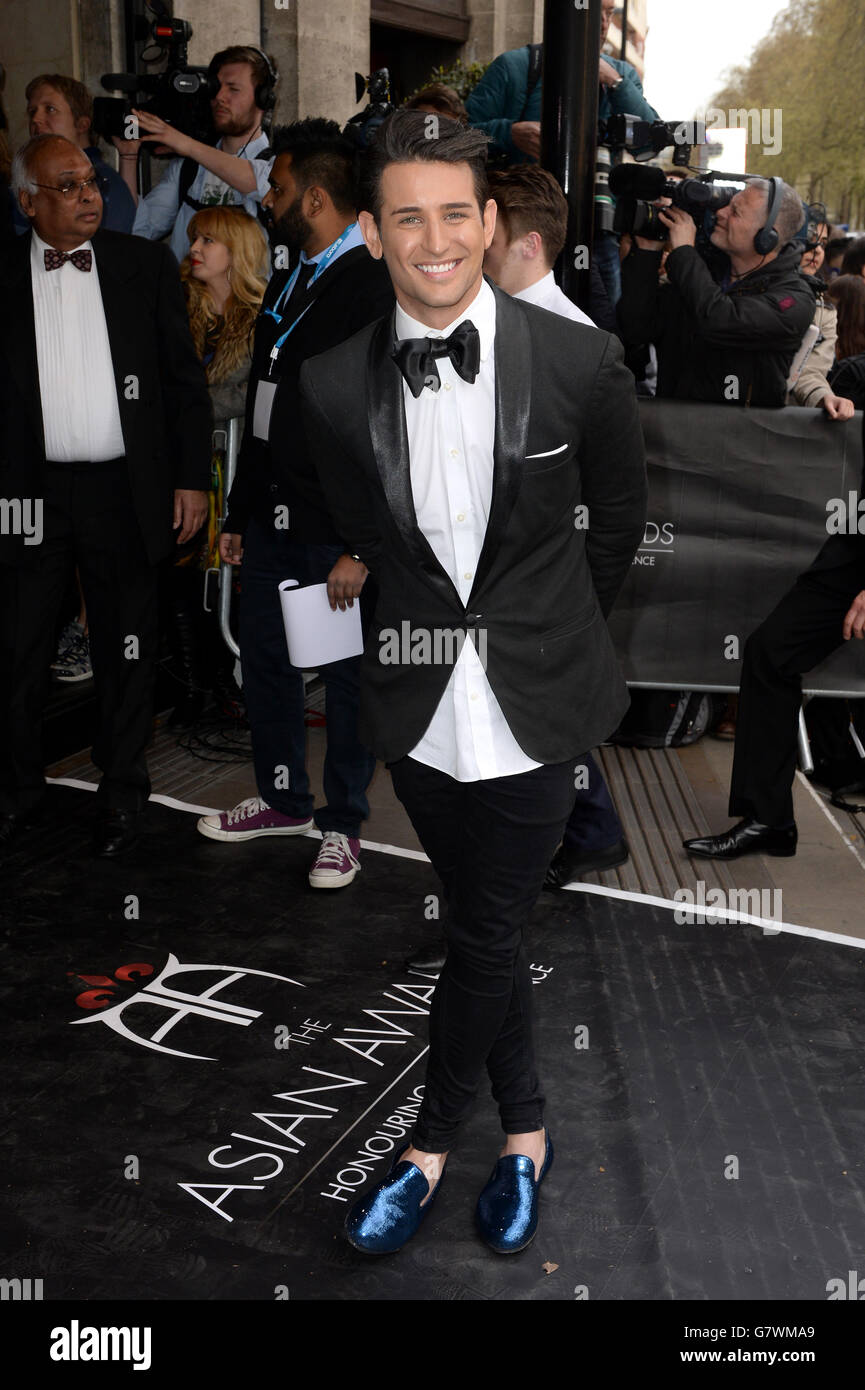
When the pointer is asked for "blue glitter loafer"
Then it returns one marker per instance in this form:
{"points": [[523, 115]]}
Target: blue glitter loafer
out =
{"points": [[389, 1214], [507, 1210]]}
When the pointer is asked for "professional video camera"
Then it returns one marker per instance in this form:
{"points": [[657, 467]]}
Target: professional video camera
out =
{"points": [[179, 95], [645, 139], [362, 126], [636, 188]]}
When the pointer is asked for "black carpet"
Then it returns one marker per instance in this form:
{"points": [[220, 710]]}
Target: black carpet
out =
{"points": [[708, 1124]]}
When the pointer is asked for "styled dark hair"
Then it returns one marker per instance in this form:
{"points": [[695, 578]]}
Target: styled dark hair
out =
{"points": [[408, 137], [530, 200], [319, 156], [847, 293], [443, 99], [854, 257]]}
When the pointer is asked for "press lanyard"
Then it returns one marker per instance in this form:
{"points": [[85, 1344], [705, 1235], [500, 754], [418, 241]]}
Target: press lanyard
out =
{"points": [[274, 313]]}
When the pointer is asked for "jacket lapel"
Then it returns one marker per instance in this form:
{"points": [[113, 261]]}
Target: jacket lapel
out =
{"points": [[23, 362], [387, 428], [114, 270], [513, 359]]}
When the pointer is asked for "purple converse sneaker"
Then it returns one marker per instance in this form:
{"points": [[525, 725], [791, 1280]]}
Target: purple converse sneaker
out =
{"points": [[336, 863], [248, 820]]}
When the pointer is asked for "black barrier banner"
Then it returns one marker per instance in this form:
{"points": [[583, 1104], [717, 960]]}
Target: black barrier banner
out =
{"points": [[740, 504]]}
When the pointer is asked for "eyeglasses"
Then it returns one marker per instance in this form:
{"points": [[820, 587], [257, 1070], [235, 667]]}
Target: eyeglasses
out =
{"points": [[95, 184]]}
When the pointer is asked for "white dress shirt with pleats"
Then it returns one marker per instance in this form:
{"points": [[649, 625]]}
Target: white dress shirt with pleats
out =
{"points": [[80, 415], [450, 435]]}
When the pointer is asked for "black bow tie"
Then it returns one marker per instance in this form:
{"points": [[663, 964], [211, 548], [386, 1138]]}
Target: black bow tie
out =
{"points": [[416, 357]]}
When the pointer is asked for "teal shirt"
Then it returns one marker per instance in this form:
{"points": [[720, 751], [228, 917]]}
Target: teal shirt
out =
{"points": [[498, 100]]}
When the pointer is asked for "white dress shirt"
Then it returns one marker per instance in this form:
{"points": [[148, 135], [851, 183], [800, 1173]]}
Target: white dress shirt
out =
{"points": [[547, 295], [450, 436], [80, 414]]}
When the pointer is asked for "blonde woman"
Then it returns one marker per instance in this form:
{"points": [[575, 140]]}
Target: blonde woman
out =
{"points": [[224, 276]]}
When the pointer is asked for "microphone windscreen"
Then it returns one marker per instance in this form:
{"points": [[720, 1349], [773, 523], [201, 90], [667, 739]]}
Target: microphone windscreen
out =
{"points": [[636, 181]]}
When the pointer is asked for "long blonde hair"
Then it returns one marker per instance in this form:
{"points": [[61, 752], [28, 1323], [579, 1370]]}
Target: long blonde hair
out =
{"points": [[246, 241]]}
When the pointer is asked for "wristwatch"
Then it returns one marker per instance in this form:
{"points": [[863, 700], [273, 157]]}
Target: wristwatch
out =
{"points": [[615, 85]]}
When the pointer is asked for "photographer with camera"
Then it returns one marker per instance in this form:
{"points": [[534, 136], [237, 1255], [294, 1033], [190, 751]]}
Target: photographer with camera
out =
{"points": [[243, 94], [727, 334]]}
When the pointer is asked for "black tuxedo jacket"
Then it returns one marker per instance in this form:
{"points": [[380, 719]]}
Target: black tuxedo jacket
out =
{"points": [[567, 436], [352, 292], [165, 412]]}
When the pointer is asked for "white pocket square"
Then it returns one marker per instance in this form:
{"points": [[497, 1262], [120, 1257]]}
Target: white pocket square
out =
{"points": [[548, 453]]}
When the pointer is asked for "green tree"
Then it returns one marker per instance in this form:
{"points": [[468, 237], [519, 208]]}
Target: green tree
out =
{"points": [[811, 68]]}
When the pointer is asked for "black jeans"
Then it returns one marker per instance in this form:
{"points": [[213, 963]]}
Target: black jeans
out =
{"points": [[274, 695], [490, 843], [89, 520], [798, 634]]}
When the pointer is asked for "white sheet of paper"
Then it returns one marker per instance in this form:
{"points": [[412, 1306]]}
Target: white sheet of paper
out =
{"points": [[264, 394], [315, 632]]}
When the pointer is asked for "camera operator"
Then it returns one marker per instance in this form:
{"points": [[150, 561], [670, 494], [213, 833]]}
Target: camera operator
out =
{"points": [[730, 339], [229, 173]]}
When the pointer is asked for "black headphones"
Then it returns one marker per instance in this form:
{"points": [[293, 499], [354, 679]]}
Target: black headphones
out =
{"points": [[265, 92], [767, 238]]}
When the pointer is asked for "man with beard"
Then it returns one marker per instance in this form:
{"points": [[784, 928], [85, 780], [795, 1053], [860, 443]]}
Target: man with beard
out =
{"points": [[278, 524], [233, 171]]}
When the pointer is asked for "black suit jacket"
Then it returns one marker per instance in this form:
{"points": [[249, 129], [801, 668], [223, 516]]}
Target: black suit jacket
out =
{"points": [[567, 435], [352, 292], [165, 413]]}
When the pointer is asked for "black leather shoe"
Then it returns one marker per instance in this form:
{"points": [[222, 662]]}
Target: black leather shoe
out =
{"points": [[116, 832], [569, 864], [746, 837], [429, 960], [15, 823]]}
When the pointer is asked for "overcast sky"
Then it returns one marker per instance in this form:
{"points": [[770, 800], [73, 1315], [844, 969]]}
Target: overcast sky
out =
{"points": [[690, 46]]}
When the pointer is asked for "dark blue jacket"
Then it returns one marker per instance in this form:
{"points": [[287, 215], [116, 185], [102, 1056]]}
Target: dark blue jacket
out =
{"points": [[499, 99]]}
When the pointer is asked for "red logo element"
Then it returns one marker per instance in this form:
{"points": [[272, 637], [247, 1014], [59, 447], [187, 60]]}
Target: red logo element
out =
{"points": [[787, 302], [95, 998]]}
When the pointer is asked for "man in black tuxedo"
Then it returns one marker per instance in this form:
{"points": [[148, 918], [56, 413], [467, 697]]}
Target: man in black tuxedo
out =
{"points": [[278, 521], [105, 439], [825, 607], [483, 457]]}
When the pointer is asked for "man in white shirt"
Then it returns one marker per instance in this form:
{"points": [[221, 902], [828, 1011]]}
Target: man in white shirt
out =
{"points": [[462, 443], [231, 172], [105, 432], [531, 225]]}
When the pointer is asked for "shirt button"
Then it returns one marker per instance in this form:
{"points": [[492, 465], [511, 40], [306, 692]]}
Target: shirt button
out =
{"points": [[474, 695], [455, 453], [461, 516], [467, 575], [447, 386]]}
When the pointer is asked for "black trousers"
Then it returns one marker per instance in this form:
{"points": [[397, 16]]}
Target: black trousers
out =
{"points": [[88, 520], [800, 633], [490, 843]]}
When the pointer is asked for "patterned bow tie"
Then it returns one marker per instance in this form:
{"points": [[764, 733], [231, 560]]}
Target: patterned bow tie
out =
{"points": [[415, 357], [82, 260]]}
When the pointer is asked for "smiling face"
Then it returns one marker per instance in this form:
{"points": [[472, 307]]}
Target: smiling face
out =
{"points": [[63, 223], [433, 236], [233, 107]]}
